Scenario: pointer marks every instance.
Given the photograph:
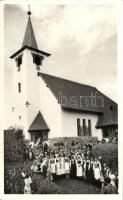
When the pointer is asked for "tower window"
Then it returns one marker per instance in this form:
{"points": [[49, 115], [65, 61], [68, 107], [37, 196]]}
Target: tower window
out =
{"points": [[19, 87], [18, 62], [37, 59]]}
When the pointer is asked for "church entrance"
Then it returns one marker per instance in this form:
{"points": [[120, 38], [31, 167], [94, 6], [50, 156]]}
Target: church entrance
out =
{"points": [[42, 135]]}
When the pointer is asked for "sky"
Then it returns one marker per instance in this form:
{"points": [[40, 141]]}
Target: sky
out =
{"points": [[81, 38]]}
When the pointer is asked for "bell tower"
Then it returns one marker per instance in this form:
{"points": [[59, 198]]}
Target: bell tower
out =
{"points": [[27, 61]]}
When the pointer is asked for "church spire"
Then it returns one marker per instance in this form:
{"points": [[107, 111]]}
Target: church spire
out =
{"points": [[29, 37]]}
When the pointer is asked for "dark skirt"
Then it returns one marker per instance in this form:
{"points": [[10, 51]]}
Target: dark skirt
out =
{"points": [[73, 171], [91, 175]]}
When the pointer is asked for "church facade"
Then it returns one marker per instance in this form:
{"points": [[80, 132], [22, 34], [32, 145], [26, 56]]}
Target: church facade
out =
{"points": [[46, 106]]}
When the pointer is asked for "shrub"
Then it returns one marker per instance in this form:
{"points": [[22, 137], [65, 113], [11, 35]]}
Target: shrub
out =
{"points": [[13, 144], [67, 141], [109, 154]]}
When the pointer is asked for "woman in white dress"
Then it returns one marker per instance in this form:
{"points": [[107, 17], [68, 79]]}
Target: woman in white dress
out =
{"points": [[97, 169], [79, 170], [62, 164], [84, 167], [52, 166], [58, 166], [27, 187]]}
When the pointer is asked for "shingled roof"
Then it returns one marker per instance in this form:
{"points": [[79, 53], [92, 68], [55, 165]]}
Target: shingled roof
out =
{"points": [[38, 124], [29, 37], [108, 117], [77, 96]]}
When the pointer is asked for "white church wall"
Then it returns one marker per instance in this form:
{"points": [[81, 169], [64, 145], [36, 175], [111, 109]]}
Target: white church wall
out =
{"points": [[16, 112], [69, 123], [51, 110], [41, 98]]}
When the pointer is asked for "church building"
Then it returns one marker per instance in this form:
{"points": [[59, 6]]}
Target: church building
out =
{"points": [[47, 106]]}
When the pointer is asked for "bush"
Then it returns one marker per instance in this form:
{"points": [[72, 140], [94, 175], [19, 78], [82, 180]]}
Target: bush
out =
{"points": [[109, 154], [67, 141], [13, 145]]}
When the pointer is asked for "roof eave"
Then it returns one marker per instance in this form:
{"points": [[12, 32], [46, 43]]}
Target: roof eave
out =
{"points": [[38, 130], [105, 125], [30, 48], [81, 110]]}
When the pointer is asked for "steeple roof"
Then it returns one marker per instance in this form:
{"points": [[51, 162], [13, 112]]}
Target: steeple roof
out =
{"points": [[39, 123], [29, 41], [29, 37]]}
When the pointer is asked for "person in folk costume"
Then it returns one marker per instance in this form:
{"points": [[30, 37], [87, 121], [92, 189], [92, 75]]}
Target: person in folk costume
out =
{"points": [[87, 145], [44, 166], [52, 166], [26, 153], [79, 171], [91, 172], [73, 167], [83, 153], [58, 166], [23, 173], [101, 161], [34, 166], [37, 142], [87, 168], [108, 188], [62, 164], [104, 168], [48, 172], [41, 157], [27, 187], [88, 153], [30, 153], [45, 146], [36, 153], [97, 169], [112, 177], [67, 167], [39, 163], [84, 167], [101, 183], [107, 171]]}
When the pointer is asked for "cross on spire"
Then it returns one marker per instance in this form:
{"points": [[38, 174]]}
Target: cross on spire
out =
{"points": [[29, 12]]}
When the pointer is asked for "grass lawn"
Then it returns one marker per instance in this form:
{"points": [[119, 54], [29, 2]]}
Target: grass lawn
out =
{"points": [[74, 186]]}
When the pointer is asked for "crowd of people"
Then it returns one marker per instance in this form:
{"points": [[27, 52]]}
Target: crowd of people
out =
{"points": [[74, 163]]}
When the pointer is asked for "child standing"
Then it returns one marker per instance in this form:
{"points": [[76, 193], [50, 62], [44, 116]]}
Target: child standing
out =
{"points": [[27, 187]]}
